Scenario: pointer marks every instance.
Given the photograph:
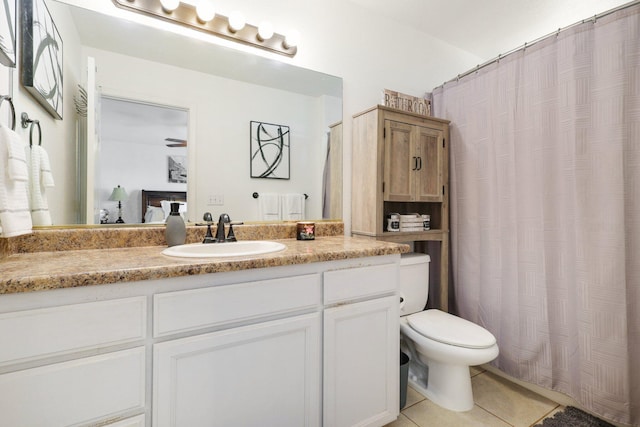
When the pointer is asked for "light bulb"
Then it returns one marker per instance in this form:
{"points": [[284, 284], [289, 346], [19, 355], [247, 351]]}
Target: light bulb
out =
{"points": [[170, 5], [265, 31], [236, 21], [205, 10], [291, 39]]}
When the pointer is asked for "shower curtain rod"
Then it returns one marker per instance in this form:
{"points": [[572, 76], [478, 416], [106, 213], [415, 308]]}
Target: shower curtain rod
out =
{"points": [[593, 19]]}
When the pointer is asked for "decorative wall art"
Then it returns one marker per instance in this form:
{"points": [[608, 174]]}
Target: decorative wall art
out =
{"points": [[177, 169], [8, 32], [270, 151], [41, 56]]}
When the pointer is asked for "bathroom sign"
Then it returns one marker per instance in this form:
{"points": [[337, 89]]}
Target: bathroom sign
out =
{"points": [[411, 104]]}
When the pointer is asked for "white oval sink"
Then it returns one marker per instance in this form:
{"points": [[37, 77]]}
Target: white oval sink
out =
{"points": [[215, 250]]}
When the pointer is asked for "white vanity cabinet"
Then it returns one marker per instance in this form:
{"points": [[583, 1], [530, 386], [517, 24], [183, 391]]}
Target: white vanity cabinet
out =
{"points": [[302, 345], [361, 346], [72, 364], [262, 373]]}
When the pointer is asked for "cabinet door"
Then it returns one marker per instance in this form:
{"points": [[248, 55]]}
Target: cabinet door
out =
{"points": [[400, 162], [361, 363], [429, 173], [266, 374]]}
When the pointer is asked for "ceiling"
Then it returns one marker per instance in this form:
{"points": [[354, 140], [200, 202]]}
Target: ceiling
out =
{"points": [[140, 123], [490, 27]]}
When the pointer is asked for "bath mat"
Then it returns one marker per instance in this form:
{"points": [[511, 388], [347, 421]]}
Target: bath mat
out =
{"points": [[573, 417]]}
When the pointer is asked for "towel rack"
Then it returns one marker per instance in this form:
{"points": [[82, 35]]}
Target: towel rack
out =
{"points": [[24, 118], [256, 195], [13, 110]]}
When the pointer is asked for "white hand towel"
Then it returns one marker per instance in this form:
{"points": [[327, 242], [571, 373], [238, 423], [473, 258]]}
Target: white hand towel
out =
{"points": [[38, 160], [46, 177], [16, 161], [15, 219], [269, 207], [293, 206]]}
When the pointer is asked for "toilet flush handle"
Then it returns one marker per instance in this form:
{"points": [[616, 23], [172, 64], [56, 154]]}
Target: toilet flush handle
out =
{"points": [[401, 301]]}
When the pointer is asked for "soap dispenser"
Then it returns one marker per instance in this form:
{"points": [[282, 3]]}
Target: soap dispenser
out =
{"points": [[176, 231]]}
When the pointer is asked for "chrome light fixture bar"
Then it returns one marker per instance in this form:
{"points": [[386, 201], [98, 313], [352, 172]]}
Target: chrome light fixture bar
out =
{"points": [[185, 14]]}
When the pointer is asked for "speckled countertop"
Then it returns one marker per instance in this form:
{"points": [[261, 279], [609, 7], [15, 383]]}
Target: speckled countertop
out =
{"points": [[35, 271]]}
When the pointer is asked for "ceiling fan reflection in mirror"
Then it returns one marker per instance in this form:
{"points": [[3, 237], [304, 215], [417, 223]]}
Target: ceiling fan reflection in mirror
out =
{"points": [[175, 142]]}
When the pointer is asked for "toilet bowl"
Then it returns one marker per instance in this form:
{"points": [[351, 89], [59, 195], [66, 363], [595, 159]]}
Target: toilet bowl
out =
{"points": [[441, 346]]}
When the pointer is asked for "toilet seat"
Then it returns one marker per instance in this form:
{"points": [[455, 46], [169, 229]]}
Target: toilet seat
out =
{"points": [[449, 329]]}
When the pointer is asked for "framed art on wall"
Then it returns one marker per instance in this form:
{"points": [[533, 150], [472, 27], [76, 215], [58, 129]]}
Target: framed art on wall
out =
{"points": [[177, 169], [8, 32], [41, 56], [269, 151]]}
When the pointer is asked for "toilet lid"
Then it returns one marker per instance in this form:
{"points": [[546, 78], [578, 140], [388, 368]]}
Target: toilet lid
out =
{"points": [[449, 329]]}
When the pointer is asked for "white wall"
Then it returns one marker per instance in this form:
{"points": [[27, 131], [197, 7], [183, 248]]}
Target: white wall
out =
{"points": [[367, 50], [220, 111], [62, 151]]}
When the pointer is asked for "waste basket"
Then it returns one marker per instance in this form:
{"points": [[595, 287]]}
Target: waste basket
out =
{"points": [[404, 378]]}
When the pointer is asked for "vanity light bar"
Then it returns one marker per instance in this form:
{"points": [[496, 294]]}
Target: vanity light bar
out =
{"points": [[185, 14]]}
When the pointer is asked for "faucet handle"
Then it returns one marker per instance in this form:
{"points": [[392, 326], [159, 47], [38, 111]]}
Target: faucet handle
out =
{"points": [[207, 217], [231, 236]]}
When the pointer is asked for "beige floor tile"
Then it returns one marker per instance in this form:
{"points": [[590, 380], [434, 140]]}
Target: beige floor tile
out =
{"points": [[413, 397], [511, 402], [402, 421], [549, 415], [475, 370], [428, 414]]}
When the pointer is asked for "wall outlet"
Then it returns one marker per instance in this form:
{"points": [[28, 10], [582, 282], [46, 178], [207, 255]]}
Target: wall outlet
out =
{"points": [[215, 200]]}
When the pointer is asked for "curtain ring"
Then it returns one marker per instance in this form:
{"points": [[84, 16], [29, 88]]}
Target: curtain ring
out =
{"points": [[13, 110]]}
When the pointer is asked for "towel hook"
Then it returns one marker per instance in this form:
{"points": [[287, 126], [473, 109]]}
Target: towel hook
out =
{"points": [[13, 110], [24, 117]]}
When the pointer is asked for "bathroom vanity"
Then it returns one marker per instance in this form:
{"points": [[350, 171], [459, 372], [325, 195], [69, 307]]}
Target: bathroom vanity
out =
{"points": [[305, 337]]}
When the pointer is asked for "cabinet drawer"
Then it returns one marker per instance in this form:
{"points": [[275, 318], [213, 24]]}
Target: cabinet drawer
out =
{"points": [[194, 309], [31, 334], [353, 283], [79, 391], [138, 421]]}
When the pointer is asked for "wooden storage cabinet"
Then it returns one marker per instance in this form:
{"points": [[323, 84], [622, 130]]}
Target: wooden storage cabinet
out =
{"points": [[413, 166], [400, 165]]}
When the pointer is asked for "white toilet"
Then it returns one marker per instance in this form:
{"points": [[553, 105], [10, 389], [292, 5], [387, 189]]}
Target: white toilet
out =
{"points": [[441, 346]]}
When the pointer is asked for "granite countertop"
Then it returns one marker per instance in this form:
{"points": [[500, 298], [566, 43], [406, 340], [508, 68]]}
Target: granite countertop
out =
{"points": [[36, 271]]}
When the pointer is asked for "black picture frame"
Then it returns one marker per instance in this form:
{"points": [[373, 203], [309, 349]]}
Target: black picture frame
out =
{"points": [[270, 151], [42, 64], [8, 32]]}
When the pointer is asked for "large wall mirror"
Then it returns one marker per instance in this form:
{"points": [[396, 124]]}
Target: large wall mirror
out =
{"points": [[218, 92]]}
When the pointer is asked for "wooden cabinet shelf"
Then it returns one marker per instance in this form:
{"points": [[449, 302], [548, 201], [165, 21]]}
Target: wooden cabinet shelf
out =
{"points": [[401, 165]]}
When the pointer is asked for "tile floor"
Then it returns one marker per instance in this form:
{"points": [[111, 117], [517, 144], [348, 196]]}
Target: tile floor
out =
{"points": [[498, 403]]}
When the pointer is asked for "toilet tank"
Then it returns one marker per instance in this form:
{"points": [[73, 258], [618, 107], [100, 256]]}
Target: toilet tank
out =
{"points": [[414, 282]]}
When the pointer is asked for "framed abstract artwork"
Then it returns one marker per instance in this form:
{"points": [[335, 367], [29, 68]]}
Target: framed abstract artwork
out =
{"points": [[8, 32], [41, 56], [177, 169], [269, 151]]}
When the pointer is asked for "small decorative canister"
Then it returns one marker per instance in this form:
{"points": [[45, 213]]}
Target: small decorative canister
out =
{"points": [[426, 222], [393, 222], [306, 231]]}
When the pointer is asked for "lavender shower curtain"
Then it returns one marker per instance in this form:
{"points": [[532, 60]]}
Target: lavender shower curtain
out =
{"points": [[545, 210]]}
